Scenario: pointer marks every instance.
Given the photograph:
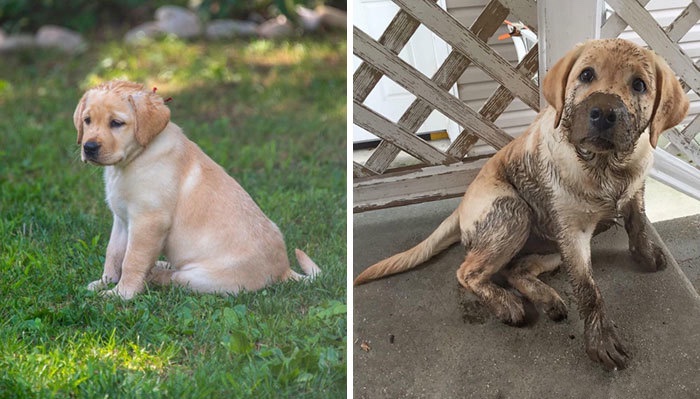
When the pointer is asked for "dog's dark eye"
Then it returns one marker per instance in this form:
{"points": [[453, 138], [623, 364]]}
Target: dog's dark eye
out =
{"points": [[587, 75], [115, 124], [639, 86], [87, 120]]}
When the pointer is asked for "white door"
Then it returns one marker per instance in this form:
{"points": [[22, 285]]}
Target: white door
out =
{"points": [[425, 51]]}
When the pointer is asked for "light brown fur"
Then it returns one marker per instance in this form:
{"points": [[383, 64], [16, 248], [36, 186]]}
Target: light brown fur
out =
{"points": [[168, 197], [580, 164]]}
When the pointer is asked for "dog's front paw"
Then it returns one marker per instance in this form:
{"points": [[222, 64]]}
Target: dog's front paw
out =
{"points": [[97, 285], [660, 261], [119, 292], [603, 345], [652, 258]]}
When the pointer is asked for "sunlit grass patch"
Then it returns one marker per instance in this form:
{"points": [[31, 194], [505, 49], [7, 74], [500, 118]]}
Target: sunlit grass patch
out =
{"points": [[77, 363]]}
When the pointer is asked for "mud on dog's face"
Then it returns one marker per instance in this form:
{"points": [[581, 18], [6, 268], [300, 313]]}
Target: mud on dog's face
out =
{"points": [[606, 93], [117, 119]]}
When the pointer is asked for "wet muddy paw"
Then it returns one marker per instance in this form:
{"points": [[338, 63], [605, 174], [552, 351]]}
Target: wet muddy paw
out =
{"points": [[653, 259], [557, 311], [660, 261], [512, 314], [603, 345]]}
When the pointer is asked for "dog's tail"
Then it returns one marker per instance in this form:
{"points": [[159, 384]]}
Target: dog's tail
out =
{"points": [[309, 267], [445, 235]]}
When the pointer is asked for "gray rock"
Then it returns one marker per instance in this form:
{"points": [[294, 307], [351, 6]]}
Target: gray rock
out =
{"points": [[178, 21], [332, 17], [144, 32], [256, 17], [61, 38], [309, 19], [276, 28], [228, 28], [17, 42]]}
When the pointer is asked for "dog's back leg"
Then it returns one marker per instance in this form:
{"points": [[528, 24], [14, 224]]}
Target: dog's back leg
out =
{"points": [[160, 274], [522, 275], [492, 241], [209, 277]]}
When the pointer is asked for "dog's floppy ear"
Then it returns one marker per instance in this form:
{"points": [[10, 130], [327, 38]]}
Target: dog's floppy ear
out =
{"points": [[78, 117], [152, 116], [554, 83], [671, 103]]}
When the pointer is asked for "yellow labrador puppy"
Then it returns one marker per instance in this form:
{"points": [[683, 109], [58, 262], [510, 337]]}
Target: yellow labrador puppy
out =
{"points": [[170, 198], [538, 201]]}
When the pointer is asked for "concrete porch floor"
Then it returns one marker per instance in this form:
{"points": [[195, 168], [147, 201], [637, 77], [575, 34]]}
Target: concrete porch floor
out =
{"points": [[429, 338]]}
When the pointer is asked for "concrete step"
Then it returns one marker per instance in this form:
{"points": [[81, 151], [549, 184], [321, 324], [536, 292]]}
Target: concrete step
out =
{"points": [[431, 338], [682, 238]]}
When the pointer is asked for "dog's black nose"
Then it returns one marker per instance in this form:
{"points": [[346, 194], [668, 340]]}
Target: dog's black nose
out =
{"points": [[602, 120], [91, 148]]}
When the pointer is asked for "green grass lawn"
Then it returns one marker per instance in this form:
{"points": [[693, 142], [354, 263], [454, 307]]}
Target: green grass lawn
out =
{"points": [[273, 115]]}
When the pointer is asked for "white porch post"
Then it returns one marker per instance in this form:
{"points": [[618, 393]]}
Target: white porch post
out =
{"points": [[563, 24]]}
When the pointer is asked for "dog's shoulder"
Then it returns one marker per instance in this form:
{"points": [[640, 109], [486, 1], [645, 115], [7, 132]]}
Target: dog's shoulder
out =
{"points": [[151, 175]]}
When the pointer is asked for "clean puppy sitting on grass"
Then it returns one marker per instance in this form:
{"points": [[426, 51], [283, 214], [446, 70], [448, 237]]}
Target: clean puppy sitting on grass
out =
{"points": [[168, 197]]}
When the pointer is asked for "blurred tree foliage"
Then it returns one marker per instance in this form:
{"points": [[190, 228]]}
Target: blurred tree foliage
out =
{"points": [[88, 15]]}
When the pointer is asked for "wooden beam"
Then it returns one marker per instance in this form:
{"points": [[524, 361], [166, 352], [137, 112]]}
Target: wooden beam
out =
{"points": [[359, 170], [387, 130], [395, 37], [687, 146], [646, 27], [485, 25], [494, 107], [418, 84], [683, 23], [464, 41], [692, 129], [615, 25], [409, 187]]}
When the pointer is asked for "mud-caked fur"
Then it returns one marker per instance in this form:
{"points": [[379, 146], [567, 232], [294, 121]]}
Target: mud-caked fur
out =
{"points": [[579, 166]]}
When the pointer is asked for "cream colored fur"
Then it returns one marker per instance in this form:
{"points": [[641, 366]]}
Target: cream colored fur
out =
{"points": [[168, 197]]}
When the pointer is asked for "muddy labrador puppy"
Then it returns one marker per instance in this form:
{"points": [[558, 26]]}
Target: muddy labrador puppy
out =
{"points": [[580, 165], [168, 197]]}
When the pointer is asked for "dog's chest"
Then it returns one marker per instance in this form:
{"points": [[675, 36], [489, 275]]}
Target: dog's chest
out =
{"points": [[562, 197], [115, 193], [597, 198]]}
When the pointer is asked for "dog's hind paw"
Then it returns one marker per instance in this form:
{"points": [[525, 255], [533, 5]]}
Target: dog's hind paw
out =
{"points": [[511, 312], [161, 264], [557, 311]]}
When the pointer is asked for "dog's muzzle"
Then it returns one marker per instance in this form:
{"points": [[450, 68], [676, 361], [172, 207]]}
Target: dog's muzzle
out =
{"points": [[601, 123], [91, 150]]}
